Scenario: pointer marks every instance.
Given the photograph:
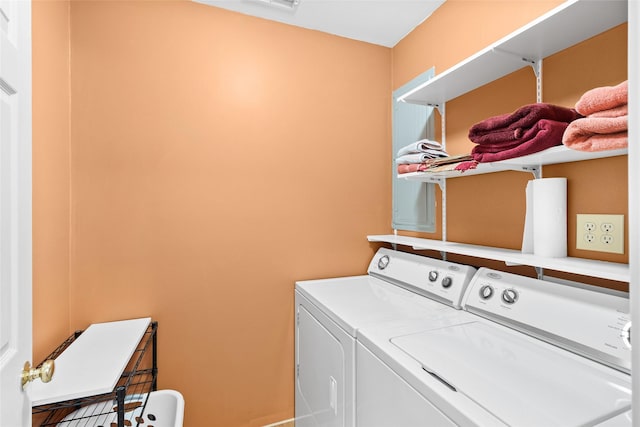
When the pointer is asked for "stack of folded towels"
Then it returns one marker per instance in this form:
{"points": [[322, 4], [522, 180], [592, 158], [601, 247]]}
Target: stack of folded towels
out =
{"points": [[529, 129], [605, 124], [418, 156]]}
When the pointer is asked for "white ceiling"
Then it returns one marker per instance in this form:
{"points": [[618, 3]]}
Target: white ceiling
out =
{"points": [[381, 22]]}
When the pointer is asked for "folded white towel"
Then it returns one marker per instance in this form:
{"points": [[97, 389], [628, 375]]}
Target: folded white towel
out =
{"points": [[408, 159], [421, 146]]}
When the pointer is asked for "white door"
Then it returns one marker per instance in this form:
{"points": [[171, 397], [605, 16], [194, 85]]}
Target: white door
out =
{"points": [[15, 209]]}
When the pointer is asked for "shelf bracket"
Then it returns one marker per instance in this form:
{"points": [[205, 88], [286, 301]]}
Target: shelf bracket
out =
{"points": [[439, 107], [536, 171], [537, 70], [443, 123], [443, 189], [442, 183], [535, 64]]}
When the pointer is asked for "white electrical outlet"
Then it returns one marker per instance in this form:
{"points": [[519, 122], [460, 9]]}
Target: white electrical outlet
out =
{"points": [[603, 233]]}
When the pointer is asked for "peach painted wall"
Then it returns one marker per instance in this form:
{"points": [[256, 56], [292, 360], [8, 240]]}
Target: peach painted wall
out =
{"points": [[212, 159], [50, 175], [216, 159], [489, 209]]}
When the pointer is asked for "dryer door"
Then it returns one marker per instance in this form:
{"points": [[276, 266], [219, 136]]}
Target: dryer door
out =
{"points": [[320, 373]]}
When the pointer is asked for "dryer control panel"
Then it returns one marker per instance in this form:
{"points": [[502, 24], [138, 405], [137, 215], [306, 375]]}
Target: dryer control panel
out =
{"points": [[440, 280], [587, 320]]}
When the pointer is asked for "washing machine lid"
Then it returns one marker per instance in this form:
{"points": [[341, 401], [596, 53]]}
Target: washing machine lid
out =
{"points": [[357, 301], [521, 380]]}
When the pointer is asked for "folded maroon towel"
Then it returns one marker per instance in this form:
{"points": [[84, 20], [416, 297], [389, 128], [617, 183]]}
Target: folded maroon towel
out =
{"points": [[465, 166], [530, 134], [506, 145], [544, 134], [512, 127], [603, 98]]}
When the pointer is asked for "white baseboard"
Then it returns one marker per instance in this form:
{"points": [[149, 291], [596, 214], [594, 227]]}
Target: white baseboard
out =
{"points": [[286, 423]]}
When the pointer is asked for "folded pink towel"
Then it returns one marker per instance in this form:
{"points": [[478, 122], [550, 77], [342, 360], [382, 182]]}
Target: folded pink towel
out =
{"points": [[600, 125], [603, 98], [597, 133], [622, 110], [599, 142], [414, 167], [544, 134], [512, 127]]}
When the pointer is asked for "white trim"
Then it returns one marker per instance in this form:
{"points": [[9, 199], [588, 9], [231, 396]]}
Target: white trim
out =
{"points": [[633, 32], [281, 423]]}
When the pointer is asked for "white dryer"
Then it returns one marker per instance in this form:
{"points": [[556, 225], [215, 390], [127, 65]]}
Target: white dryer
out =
{"points": [[399, 287], [527, 352]]}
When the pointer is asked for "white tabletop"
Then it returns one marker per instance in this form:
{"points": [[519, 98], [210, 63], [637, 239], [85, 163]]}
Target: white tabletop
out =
{"points": [[93, 363]]}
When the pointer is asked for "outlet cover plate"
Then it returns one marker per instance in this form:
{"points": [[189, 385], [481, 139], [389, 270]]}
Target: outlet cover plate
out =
{"points": [[602, 233]]}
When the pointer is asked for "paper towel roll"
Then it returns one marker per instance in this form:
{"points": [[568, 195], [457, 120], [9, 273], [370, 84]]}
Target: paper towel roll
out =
{"points": [[549, 217]]}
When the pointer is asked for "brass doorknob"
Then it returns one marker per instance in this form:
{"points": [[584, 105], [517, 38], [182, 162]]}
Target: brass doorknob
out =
{"points": [[45, 372]]}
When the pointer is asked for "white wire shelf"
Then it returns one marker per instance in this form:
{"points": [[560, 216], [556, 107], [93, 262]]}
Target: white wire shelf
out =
{"points": [[568, 24], [530, 163], [587, 267]]}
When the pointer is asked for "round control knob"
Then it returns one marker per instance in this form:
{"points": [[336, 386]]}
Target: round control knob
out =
{"points": [[383, 262], [447, 282], [433, 275], [509, 296], [486, 292]]}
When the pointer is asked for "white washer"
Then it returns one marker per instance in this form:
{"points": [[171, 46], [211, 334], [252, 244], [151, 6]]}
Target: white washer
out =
{"points": [[527, 352], [399, 287]]}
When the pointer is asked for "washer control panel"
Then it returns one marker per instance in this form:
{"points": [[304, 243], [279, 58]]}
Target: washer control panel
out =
{"points": [[580, 317], [440, 280]]}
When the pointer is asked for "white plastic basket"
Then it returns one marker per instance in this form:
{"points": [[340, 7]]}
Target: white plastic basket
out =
{"points": [[165, 408]]}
